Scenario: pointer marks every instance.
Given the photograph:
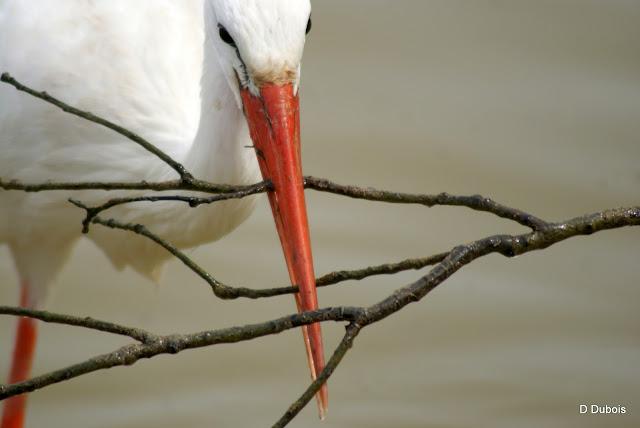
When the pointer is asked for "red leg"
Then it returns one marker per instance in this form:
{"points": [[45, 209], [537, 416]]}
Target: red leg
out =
{"points": [[14, 408]]}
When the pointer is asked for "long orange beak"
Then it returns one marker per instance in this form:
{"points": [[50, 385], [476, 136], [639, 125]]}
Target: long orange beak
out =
{"points": [[274, 124]]}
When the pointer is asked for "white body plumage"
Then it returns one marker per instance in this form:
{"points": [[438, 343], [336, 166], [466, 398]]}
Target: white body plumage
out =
{"points": [[145, 65]]}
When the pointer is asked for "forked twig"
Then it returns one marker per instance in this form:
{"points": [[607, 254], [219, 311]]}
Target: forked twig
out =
{"points": [[542, 235]]}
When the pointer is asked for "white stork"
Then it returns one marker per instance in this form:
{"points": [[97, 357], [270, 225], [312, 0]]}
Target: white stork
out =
{"points": [[207, 81]]}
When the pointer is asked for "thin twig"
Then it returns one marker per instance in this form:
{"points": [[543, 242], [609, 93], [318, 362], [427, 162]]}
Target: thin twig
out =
{"points": [[193, 185], [85, 322], [192, 201], [384, 269], [475, 202], [227, 292], [345, 344], [52, 186]]}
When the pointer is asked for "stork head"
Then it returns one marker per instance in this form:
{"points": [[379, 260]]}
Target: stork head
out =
{"points": [[260, 42], [259, 45]]}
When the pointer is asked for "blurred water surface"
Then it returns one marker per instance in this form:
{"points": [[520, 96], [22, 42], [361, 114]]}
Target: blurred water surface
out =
{"points": [[535, 103]]}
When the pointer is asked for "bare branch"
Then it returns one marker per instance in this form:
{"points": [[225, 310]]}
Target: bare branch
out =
{"points": [[475, 202], [86, 322], [173, 344], [227, 292], [384, 269], [193, 185], [507, 245], [50, 186], [192, 201]]}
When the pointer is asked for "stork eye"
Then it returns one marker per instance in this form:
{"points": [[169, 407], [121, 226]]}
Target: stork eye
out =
{"points": [[225, 36], [309, 25]]}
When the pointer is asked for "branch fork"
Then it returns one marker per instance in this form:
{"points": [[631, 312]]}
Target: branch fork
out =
{"points": [[542, 234]]}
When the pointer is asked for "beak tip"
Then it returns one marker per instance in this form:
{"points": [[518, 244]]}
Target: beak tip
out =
{"points": [[323, 414], [323, 402], [322, 410]]}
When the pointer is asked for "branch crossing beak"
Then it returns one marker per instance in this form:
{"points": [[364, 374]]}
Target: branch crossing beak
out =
{"points": [[274, 124]]}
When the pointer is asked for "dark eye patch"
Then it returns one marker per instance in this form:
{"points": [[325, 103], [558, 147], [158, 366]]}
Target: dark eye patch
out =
{"points": [[309, 26], [225, 36]]}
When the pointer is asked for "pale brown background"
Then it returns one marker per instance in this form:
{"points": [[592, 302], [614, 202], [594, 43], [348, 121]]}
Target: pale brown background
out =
{"points": [[536, 103]]}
